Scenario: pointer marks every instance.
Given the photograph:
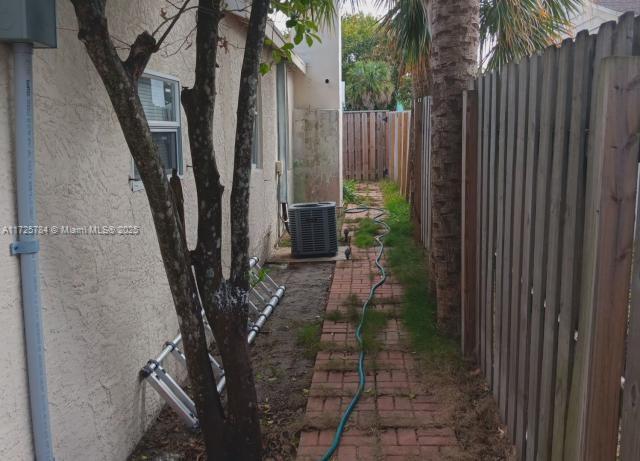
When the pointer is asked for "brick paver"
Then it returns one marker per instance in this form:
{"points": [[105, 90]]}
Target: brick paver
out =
{"points": [[395, 419]]}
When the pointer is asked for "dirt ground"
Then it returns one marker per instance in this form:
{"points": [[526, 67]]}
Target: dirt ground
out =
{"points": [[283, 374]]}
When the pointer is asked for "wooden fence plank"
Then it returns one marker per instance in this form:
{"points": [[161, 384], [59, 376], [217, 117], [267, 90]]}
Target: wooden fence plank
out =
{"points": [[610, 208], [572, 236], [352, 150], [515, 399], [562, 103], [357, 144], [510, 128], [485, 82], [380, 144], [577, 395], [469, 207], [477, 348], [510, 317], [364, 121], [491, 258], [498, 379], [540, 253], [630, 438], [532, 145], [373, 167]]}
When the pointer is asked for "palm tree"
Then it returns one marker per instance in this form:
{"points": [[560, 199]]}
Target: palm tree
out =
{"points": [[508, 30], [369, 85], [512, 29]]}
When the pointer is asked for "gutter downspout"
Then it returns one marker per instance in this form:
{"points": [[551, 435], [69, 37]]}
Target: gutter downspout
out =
{"points": [[27, 248]]}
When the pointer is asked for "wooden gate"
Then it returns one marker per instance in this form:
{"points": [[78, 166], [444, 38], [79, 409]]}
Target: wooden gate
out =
{"points": [[364, 144]]}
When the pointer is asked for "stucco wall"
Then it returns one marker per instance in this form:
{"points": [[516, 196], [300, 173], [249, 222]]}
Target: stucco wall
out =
{"points": [[317, 144], [316, 148], [320, 87], [107, 307]]}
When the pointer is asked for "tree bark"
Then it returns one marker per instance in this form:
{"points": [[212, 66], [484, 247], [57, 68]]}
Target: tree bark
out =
{"points": [[225, 302], [242, 406], [120, 79], [455, 40]]}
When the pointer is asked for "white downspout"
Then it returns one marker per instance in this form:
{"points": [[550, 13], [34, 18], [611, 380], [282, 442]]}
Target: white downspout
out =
{"points": [[27, 248]]}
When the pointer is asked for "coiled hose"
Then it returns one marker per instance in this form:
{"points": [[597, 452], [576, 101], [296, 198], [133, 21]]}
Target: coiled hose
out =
{"points": [[361, 372]]}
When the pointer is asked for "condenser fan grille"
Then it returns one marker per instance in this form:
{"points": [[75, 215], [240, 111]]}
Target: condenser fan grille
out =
{"points": [[313, 229]]}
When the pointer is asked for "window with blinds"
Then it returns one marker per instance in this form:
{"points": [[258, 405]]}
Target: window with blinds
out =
{"points": [[159, 95]]}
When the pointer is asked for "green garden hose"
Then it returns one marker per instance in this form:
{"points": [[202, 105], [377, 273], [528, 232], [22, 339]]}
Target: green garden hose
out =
{"points": [[361, 372]]}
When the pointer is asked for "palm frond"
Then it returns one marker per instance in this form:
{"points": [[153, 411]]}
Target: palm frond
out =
{"points": [[407, 26], [512, 29]]}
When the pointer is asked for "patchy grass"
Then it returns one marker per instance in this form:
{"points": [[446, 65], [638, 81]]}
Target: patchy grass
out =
{"points": [[349, 193], [308, 338], [366, 233], [374, 323], [334, 316], [407, 262]]}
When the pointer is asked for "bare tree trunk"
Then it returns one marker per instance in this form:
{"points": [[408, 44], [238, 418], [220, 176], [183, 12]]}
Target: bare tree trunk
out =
{"points": [[120, 79], [246, 420], [225, 302], [455, 39]]}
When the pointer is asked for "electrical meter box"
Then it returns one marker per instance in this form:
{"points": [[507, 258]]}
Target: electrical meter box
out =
{"points": [[28, 21]]}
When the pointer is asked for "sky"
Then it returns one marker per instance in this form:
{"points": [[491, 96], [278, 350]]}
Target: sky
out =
{"points": [[370, 7]]}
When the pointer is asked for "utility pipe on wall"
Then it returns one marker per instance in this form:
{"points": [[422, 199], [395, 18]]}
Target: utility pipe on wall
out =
{"points": [[27, 248]]}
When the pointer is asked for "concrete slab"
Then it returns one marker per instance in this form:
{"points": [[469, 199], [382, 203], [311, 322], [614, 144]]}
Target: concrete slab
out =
{"points": [[283, 255]]}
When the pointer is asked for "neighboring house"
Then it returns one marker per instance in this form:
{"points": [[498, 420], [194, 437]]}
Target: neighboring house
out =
{"points": [[593, 13], [107, 308]]}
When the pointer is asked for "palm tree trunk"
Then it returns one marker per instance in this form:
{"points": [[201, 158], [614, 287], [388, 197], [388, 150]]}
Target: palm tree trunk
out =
{"points": [[455, 39]]}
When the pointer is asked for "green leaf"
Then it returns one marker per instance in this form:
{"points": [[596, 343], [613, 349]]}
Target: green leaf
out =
{"points": [[264, 68]]}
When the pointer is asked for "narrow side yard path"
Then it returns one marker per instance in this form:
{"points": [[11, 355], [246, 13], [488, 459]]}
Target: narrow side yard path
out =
{"points": [[400, 416]]}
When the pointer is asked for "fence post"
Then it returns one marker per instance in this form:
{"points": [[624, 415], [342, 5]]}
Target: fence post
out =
{"points": [[469, 218], [608, 245]]}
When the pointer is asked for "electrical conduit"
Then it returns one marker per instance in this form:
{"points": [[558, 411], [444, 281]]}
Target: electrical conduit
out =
{"points": [[27, 248], [361, 371]]}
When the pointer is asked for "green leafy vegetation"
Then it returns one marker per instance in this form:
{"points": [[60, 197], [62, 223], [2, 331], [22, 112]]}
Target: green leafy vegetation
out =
{"points": [[349, 194], [407, 262], [366, 233], [369, 64], [308, 338]]}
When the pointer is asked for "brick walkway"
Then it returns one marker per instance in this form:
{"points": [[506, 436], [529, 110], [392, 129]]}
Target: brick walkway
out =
{"points": [[396, 418]]}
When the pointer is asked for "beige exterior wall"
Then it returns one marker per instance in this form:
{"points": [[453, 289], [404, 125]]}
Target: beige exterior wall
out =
{"points": [[107, 306], [317, 145]]}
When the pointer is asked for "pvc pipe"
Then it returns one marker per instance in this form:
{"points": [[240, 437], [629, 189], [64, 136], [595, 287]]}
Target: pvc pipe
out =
{"points": [[27, 249]]}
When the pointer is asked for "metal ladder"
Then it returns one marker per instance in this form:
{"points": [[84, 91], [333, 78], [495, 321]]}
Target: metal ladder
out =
{"points": [[264, 292]]}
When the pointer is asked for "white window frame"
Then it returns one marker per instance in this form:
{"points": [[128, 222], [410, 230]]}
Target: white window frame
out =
{"points": [[256, 144], [163, 127]]}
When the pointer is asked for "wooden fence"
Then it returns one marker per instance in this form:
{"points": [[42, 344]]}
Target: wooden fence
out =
{"points": [[421, 170], [551, 298], [398, 149], [364, 144], [375, 143]]}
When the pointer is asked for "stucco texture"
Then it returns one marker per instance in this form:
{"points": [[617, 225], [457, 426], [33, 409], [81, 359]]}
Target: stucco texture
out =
{"points": [[107, 306]]}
